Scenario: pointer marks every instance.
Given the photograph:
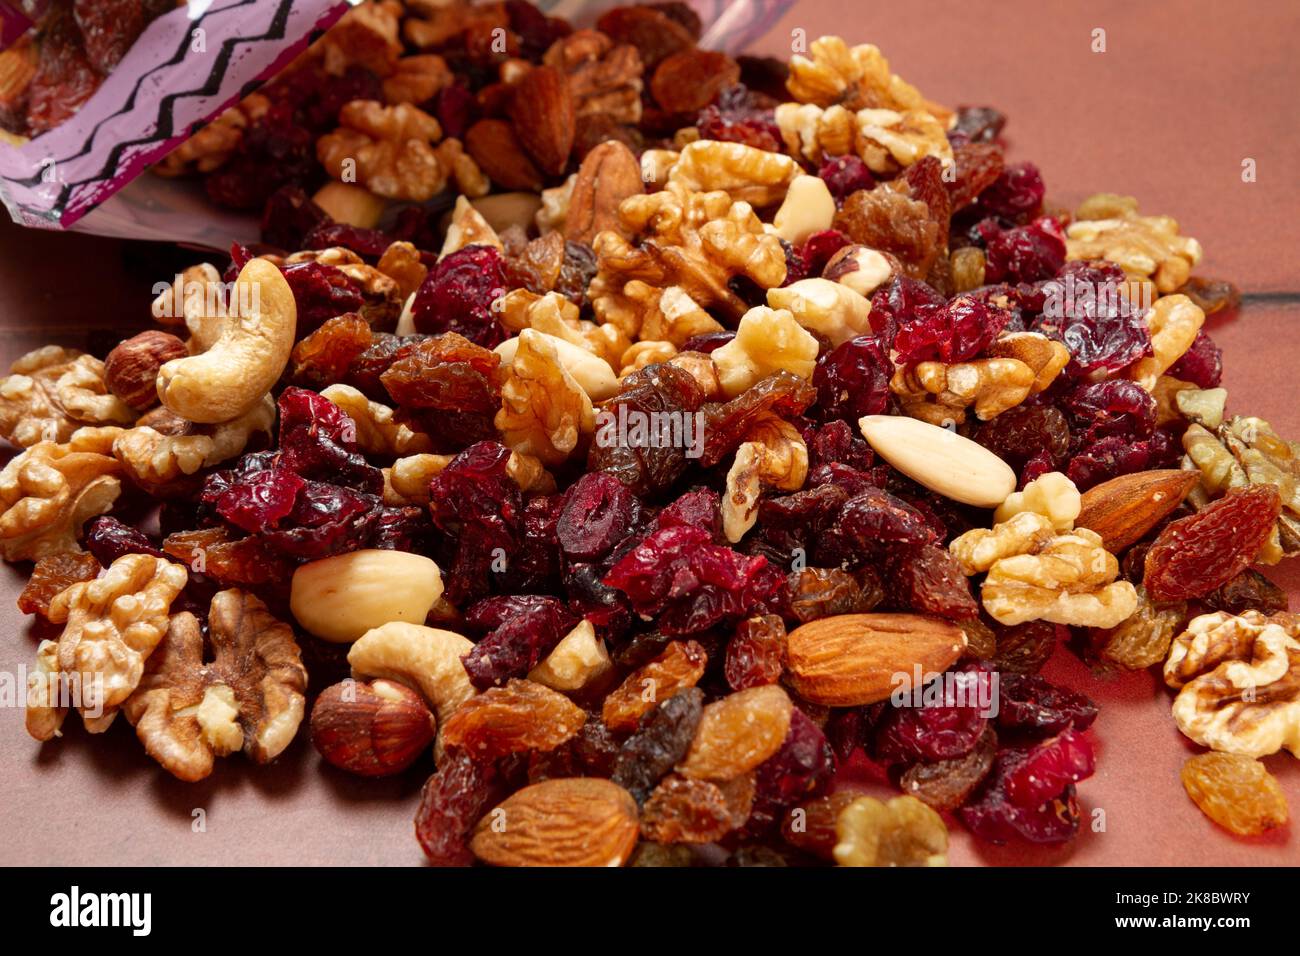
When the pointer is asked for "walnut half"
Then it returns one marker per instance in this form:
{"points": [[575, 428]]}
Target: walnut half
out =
{"points": [[110, 627], [1238, 681], [250, 697]]}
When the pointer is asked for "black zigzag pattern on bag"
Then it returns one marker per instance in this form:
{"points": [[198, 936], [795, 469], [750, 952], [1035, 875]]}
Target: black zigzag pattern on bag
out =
{"points": [[165, 123]]}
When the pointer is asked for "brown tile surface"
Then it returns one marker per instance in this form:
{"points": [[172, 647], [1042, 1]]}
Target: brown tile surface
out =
{"points": [[1185, 91]]}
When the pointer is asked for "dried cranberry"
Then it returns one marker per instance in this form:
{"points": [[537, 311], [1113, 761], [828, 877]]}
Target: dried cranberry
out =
{"points": [[1083, 308], [700, 508], [458, 295], [737, 116], [321, 292], [289, 215], [1026, 432], [836, 442], [800, 770], [326, 519], [1114, 456], [947, 724], [679, 574], [1029, 253], [852, 380], [1202, 364], [820, 247], [599, 512], [977, 124], [368, 243], [273, 151], [956, 333], [317, 440], [1016, 195], [1050, 768], [845, 175], [993, 816], [477, 503], [904, 300], [456, 110], [1033, 705], [261, 501], [524, 629], [1116, 407], [109, 539]]}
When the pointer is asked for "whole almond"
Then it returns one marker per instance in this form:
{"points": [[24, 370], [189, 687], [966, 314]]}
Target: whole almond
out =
{"points": [[854, 659], [570, 821], [497, 150], [544, 118], [1123, 509], [608, 175], [943, 461]]}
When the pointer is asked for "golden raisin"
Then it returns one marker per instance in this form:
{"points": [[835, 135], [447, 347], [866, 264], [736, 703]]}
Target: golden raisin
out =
{"points": [[902, 832], [1236, 792], [682, 810], [522, 715], [681, 665], [53, 574], [737, 733]]}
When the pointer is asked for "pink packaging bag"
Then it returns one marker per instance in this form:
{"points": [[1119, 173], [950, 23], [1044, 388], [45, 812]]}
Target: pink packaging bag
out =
{"points": [[89, 174]]}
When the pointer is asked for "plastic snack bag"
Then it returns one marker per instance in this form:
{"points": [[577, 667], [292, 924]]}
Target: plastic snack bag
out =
{"points": [[99, 114], [187, 65]]}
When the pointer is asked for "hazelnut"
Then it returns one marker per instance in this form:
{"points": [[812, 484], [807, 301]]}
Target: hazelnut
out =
{"points": [[373, 730], [131, 369]]}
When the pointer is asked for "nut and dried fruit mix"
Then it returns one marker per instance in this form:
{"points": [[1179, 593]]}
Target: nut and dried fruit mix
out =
{"points": [[635, 437]]}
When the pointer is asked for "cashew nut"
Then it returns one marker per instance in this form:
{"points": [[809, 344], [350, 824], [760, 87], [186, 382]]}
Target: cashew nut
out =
{"points": [[423, 658], [246, 360]]}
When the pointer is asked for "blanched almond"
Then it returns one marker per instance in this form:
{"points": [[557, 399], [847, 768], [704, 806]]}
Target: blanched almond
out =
{"points": [[342, 597], [943, 461]]}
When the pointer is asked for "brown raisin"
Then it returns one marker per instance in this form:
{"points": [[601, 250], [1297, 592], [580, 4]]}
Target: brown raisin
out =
{"points": [[1025, 648], [522, 715], [323, 357], [452, 801], [1143, 639], [811, 826], [824, 592], [1212, 296], [681, 665], [737, 733], [682, 810], [665, 735], [1236, 792], [53, 574], [655, 35], [231, 562], [687, 81], [1194, 555], [1248, 591], [756, 652], [945, 784], [891, 222]]}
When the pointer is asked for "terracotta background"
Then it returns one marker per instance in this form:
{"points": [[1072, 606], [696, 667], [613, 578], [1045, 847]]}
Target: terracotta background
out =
{"points": [[1184, 93]]}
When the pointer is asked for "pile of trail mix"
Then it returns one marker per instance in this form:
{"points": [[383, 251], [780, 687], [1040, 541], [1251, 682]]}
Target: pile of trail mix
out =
{"points": [[735, 432]]}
